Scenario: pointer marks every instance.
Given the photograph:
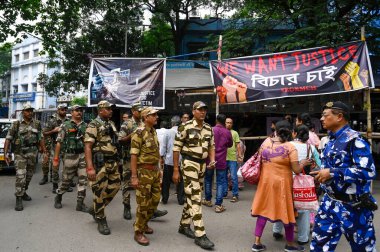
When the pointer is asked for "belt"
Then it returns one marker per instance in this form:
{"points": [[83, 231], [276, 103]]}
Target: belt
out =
{"points": [[345, 198], [198, 160], [151, 167]]}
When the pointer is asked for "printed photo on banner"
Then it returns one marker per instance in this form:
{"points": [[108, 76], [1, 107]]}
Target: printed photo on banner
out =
{"points": [[315, 71], [124, 81]]}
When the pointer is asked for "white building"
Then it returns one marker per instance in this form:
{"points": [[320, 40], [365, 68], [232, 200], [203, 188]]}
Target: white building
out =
{"points": [[27, 63]]}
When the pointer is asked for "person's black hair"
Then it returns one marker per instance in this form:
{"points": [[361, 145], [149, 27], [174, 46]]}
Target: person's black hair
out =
{"points": [[289, 118], [164, 124], [302, 132], [284, 131], [221, 118], [305, 119]]}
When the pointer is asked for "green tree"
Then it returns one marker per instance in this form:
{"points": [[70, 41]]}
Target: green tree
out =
{"points": [[16, 17], [177, 13], [158, 40], [80, 30], [5, 57], [271, 26], [82, 101]]}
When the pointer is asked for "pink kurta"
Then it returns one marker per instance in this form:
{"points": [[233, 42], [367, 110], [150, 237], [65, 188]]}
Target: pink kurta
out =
{"points": [[273, 199]]}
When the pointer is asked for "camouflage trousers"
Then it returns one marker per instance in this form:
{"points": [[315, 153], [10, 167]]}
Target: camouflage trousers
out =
{"points": [[25, 168], [193, 175], [74, 164], [126, 179], [46, 165], [55, 171], [105, 187], [147, 197]]}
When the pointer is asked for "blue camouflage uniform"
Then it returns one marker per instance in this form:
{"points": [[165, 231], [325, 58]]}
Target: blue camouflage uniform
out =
{"points": [[351, 165]]}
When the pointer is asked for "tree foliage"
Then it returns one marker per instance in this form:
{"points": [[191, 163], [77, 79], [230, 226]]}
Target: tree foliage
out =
{"points": [[12, 11], [271, 26], [80, 30], [5, 58], [158, 40], [177, 13]]}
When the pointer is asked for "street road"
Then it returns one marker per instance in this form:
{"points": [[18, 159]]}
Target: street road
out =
{"points": [[41, 227]]}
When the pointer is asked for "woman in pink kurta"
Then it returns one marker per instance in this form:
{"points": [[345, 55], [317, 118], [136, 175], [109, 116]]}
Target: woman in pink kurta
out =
{"points": [[273, 200]]}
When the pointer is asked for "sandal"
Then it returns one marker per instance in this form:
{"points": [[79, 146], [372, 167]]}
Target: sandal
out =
{"points": [[207, 203], [219, 209]]}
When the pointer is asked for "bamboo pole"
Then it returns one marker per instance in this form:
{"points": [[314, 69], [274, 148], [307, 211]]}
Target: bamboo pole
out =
{"points": [[367, 99]]}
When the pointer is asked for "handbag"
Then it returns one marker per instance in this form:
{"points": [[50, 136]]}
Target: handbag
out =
{"points": [[311, 158], [304, 194], [251, 169]]}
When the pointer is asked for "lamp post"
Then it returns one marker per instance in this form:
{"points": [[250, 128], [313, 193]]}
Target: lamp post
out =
{"points": [[126, 40]]}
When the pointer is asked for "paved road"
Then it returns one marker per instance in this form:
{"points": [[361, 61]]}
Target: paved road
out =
{"points": [[41, 227]]}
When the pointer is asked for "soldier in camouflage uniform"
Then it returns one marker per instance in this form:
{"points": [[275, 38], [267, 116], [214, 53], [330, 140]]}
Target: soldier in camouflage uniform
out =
{"points": [[125, 135], [145, 173], [102, 163], [26, 139], [50, 134], [195, 141], [70, 140]]}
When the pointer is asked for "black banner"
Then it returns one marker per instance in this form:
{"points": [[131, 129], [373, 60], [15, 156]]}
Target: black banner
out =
{"points": [[124, 81], [315, 71]]}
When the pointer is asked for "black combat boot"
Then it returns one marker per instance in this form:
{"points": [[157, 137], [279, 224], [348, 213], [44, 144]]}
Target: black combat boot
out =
{"points": [[81, 206], [159, 213], [55, 187], [44, 180], [127, 212], [186, 230], [103, 226], [58, 201], [204, 242], [19, 206], [26, 197], [92, 212]]}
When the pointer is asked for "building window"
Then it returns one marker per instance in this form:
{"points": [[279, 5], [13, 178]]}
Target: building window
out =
{"points": [[17, 58], [26, 55], [24, 88], [34, 87], [15, 89], [35, 53]]}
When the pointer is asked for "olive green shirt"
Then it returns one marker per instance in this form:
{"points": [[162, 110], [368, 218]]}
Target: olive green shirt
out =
{"points": [[25, 135], [145, 145]]}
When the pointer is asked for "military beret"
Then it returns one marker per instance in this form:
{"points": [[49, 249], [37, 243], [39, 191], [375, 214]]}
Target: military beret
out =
{"points": [[337, 105], [199, 104]]}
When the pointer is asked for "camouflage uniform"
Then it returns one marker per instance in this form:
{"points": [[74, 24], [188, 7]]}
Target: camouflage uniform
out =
{"points": [[25, 138], [107, 182], [194, 144], [145, 145], [71, 138], [54, 121], [127, 128]]}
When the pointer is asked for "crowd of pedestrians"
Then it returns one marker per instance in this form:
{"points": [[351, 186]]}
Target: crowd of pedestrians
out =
{"points": [[189, 152]]}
